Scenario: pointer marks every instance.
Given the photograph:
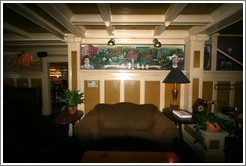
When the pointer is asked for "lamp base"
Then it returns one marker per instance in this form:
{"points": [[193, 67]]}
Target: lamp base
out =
{"points": [[174, 106]]}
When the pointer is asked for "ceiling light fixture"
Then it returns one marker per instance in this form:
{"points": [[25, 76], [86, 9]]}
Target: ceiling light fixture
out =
{"points": [[111, 42], [156, 43]]}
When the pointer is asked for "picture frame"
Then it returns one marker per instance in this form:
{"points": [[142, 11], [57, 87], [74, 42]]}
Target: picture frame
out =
{"points": [[225, 64], [128, 57], [91, 84], [207, 57]]}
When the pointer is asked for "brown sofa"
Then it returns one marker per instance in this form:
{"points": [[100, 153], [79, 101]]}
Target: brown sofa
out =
{"points": [[126, 126]]}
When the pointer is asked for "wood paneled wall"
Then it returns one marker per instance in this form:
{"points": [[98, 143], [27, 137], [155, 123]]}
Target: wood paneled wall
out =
{"points": [[36, 82], [112, 91], [8, 82], [92, 96], [22, 82], [152, 93], [207, 92], [74, 69], [195, 90], [238, 100], [223, 97], [132, 91]]}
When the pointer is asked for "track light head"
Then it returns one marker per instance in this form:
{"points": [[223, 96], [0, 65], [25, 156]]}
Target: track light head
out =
{"points": [[111, 42], [156, 43]]}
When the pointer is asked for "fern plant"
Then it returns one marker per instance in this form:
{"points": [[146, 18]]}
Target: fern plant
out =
{"points": [[71, 98]]}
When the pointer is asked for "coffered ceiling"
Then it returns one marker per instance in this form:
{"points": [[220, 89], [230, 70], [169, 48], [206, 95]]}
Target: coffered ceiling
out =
{"points": [[51, 22]]}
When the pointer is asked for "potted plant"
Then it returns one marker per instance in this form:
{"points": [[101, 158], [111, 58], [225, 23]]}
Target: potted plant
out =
{"points": [[211, 122], [71, 98]]}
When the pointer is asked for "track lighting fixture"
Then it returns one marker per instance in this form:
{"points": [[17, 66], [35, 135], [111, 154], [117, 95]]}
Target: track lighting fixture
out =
{"points": [[156, 43], [111, 42]]}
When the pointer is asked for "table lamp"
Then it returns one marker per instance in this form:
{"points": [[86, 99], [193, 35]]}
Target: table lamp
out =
{"points": [[175, 76]]}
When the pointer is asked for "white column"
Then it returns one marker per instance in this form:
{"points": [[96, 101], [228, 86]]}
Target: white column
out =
{"points": [[142, 91], [122, 90], [214, 51], [194, 43], [74, 44]]}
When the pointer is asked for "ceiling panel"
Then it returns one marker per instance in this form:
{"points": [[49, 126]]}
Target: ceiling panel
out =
{"points": [[134, 27], [15, 19], [139, 8], [83, 8], [95, 27], [46, 16], [201, 8], [178, 27], [236, 28]]}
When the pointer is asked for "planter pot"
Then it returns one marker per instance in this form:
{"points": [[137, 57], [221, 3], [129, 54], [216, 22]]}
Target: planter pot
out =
{"points": [[72, 110], [210, 127]]}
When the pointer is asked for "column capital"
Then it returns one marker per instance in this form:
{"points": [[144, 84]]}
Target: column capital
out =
{"points": [[71, 38], [200, 37]]}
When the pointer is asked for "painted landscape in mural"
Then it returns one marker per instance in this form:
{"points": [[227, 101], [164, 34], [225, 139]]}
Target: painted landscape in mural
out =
{"points": [[130, 56]]}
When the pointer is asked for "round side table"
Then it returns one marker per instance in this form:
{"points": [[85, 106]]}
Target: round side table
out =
{"points": [[65, 118]]}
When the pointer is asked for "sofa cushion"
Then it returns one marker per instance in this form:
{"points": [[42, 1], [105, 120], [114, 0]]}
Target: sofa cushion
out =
{"points": [[125, 139], [113, 133], [126, 115]]}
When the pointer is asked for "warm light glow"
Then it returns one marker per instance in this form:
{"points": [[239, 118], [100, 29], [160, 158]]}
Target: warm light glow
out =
{"points": [[123, 76], [171, 160]]}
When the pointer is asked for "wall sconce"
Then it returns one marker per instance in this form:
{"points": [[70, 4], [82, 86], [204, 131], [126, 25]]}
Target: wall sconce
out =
{"points": [[156, 43], [111, 42]]}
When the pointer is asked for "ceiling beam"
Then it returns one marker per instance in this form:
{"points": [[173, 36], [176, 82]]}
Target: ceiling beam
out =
{"points": [[110, 30], [159, 29], [224, 16], [172, 12], [224, 23], [58, 15], [16, 30], [187, 19], [32, 16], [105, 12], [34, 37]]}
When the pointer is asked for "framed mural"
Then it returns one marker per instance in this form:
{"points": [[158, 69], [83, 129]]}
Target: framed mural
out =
{"points": [[23, 62], [130, 56], [207, 57]]}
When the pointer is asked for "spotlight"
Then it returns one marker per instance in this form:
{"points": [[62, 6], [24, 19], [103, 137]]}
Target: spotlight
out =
{"points": [[156, 43], [111, 42]]}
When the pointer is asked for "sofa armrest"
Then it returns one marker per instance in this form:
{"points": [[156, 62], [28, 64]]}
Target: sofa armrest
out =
{"points": [[87, 129], [164, 130]]}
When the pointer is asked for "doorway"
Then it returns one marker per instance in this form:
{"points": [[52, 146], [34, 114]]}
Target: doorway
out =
{"points": [[58, 82]]}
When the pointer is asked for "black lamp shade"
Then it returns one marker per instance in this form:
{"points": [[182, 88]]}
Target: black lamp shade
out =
{"points": [[176, 76]]}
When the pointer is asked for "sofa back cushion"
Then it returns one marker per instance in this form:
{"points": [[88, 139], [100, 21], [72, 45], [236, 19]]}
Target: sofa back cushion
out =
{"points": [[126, 115]]}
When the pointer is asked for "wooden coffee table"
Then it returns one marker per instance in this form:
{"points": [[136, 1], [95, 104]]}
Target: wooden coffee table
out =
{"points": [[129, 157], [65, 118]]}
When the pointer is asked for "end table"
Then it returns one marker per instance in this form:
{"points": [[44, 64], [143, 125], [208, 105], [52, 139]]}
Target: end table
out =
{"points": [[169, 113], [65, 118]]}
